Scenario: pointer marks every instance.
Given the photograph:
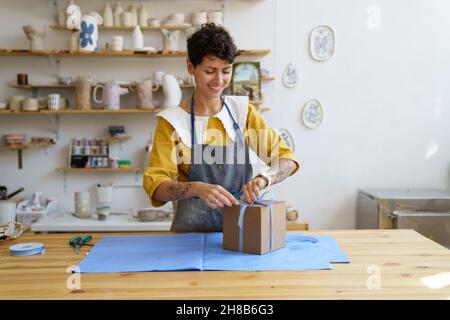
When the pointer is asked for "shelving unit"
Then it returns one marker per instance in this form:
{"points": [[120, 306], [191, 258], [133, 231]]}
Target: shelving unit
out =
{"points": [[80, 111], [112, 54], [124, 28], [91, 170], [71, 86], [20, 147]]}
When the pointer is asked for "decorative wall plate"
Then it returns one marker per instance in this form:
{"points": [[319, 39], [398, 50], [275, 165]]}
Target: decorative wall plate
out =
{"points": [[322, 43], [312, 115], [287, 137], [290, 76]]}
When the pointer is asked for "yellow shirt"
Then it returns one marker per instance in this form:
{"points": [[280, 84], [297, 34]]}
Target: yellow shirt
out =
{"points": [[163, 165]]}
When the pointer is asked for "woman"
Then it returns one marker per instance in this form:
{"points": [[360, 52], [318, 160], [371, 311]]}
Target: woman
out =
{"points": [[201, 155]]}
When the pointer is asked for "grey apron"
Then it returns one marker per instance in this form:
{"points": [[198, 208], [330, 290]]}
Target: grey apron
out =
{"points": [[231, 171]]}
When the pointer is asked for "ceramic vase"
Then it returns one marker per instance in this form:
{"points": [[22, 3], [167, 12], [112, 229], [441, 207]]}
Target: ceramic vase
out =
{"points": [[89, 31], [172, 91], [108, 17], [118, 15], [170, 39], [35, 35], [138, 38], [144, 93]]}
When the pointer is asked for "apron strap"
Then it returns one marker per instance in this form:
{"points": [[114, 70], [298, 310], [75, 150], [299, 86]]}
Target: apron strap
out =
{"points": [[193, 135]]}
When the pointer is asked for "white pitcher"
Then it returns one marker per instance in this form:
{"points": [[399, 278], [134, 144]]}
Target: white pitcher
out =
{"points": [[89, 31], [172, 91], [111, 94]]}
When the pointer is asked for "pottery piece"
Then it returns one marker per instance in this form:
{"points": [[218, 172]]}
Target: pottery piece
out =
{"points": [[215, 17], [35, 35], [108, 16], [15, 102], [127, 19], [138, 38], [154, 23], [30, 104], [111, 94], [73, 12], [144, 93], [170, 39], [53, 101], [118, 15], [89, 31], [134, 15], [117, 43], [83, 93], [172, 91], [143, 17], [199, 18]]}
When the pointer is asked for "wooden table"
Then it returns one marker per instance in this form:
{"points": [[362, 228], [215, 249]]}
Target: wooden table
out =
{"points": [[403, 258]]}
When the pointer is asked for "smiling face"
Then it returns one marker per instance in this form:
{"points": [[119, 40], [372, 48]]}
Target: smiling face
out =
{"points": [[212, 76]]}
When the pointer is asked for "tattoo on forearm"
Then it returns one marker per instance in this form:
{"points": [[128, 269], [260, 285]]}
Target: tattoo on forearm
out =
{"points": [[287, 166], [179, 190]]}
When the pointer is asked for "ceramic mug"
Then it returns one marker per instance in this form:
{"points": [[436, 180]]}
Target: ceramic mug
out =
{"points": [[116, 43], [144, 92], [53, 101], [111, 95]]}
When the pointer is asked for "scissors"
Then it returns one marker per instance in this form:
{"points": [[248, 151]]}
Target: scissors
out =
{"points": [[78, 242]]}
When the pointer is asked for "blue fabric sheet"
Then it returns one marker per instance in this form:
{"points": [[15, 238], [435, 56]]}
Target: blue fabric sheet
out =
{"points": [[196, 251]]}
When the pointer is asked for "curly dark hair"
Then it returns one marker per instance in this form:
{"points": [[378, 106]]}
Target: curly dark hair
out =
{"points": [[211, 39]]}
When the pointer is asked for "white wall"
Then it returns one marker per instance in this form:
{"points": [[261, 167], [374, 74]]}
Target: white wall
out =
{"points": [[384, 95]]}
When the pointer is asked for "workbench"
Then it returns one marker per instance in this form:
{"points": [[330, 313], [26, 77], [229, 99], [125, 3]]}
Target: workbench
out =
{"points": [[385, 264]]}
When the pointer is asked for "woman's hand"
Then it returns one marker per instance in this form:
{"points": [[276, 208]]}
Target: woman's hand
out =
{"points": [[214, 195], [252, 189]]}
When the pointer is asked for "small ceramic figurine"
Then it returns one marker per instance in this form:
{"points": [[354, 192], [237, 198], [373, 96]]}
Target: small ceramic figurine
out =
{"points": [[73, 21]]}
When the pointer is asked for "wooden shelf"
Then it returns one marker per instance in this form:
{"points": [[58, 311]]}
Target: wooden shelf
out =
{"points": [[25, 146], [76, 111], [64, 86], [131, 54], [116, 139], [123, 28], [78, 170]]}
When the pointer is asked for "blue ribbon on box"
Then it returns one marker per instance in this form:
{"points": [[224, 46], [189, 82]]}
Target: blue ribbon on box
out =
{"points": [[259, 200]]}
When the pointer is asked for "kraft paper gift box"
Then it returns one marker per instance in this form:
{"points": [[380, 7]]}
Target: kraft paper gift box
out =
{"points": [[256, 227]]}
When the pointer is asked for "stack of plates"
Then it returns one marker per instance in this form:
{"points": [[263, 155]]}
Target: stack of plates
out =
{"points": [[26, 249], [14, 138]]}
